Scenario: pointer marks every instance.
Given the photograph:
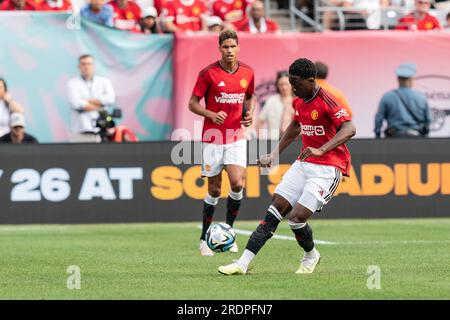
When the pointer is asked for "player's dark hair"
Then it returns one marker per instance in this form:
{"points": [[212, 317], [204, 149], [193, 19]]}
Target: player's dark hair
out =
{"points": [[280, 74], [4, 84], [322, 70], [84, 56], [228, 34], [303, 68]]}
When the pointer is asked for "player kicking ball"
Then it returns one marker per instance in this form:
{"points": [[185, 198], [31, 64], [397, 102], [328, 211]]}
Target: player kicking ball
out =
{"points": [[312, 179], [227, 87]]}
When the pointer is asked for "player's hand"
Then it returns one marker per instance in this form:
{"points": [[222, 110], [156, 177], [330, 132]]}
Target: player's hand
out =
{"points": [[219, 117], [248, 120], [310, 152], [265, 161]]}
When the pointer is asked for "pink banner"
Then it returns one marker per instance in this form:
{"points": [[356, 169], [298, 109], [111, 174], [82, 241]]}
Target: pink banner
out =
{"points": [[362, 64]]}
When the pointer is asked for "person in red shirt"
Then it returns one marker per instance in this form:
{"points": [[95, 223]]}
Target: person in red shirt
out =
{"points": [[228, 89], [185, 15], [257, 22], [419, 19], [13, 5], [54, 5], [126, 14], [310, 182], [230, 10]]}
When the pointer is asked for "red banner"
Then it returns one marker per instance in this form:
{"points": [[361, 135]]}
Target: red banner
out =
{"points": [[362, 64]]}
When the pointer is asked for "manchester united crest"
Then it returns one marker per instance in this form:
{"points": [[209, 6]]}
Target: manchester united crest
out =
{"points": [[314, 114], [243, 83], [196, 11]]}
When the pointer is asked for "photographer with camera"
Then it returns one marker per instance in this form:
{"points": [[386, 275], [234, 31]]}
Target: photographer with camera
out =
{"points": [[109, 132], [88, 95]]}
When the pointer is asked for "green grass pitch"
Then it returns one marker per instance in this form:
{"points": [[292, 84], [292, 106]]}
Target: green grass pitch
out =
{"points": [[161, 261]]}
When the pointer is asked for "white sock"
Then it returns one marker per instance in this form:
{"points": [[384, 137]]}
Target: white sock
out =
{"points": [[311, 254], [245, 259]]}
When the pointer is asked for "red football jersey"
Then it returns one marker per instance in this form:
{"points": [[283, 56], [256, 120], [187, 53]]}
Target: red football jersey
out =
{"points": [[224, 91], [8, 5], [186, 15], [126, 18], [230, 10], [44, 6], [244, 25], [427, 23], [320, 119]]}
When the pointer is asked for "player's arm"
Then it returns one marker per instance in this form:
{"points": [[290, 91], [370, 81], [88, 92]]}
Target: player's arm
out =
{"points": [[249, 106], [345, 132], [292, 132], [197, 108]]}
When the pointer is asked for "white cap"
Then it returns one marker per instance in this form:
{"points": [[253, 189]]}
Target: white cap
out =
{"points": [[214, 20], [149, 12], [17, 120]]}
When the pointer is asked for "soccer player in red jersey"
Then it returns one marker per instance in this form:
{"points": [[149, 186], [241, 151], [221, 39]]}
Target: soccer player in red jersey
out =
{"points": [[13, 5], [310, 182], [228, 89]]}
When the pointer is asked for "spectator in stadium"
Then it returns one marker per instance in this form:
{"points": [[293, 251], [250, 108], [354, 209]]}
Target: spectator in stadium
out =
{"points": [[98, 12], [17, 134], [88, 93], [420, 19], [257, 22], [405, 110], [185, 15], [274, 108], [149, 23], [54, 5], [7, 106], [20, 5], [126, 14], [358, 14], [322, 74], [230, 10], [215, 24], [447, 18]]}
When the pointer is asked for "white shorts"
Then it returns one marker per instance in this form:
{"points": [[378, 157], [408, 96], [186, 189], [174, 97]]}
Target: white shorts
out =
{"points": [[304, 179], [216, 156]]}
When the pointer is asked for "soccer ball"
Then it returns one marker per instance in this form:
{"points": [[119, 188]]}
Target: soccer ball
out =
{"points": [[220, 237]]}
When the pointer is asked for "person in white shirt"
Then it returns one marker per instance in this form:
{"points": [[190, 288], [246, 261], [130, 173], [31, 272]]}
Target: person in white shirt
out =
{"points": [[276, 107], [88, 93], [7, 106]]}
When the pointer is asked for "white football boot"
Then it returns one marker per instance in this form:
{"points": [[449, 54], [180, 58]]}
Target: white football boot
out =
{"points": [[205, 250], [234, 248], [309, 262]]}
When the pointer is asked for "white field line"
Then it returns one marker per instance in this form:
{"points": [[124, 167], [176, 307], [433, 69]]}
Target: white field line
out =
{"points": [[27, 228], [282, 237]]}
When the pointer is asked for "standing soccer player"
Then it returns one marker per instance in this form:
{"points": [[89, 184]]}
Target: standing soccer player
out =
{"points": [[228, 88], [310, 182]]}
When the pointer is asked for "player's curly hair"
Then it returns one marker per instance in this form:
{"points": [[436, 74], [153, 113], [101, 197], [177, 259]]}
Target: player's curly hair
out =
{"points": [[303, 68], [228, 34]]}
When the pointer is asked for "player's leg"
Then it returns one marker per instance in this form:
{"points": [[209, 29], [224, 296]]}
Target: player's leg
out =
{"points": [[265, 230], [320, 185], [236, 175], [298, 218], [235, 161], [209, 206], [212, 165], [285, 196]]}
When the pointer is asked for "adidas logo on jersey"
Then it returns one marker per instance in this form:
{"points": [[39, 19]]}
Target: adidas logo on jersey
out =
{"points": [[221, 84]]}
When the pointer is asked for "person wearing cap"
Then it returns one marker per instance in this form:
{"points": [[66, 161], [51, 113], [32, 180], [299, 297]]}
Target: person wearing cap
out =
{"points": [[405, 110], [148, 23], [17, 135], [215, 24], [8, 105]]}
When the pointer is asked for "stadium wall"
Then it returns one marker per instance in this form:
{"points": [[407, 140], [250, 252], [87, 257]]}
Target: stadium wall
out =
{"points": [[105, 183]]}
